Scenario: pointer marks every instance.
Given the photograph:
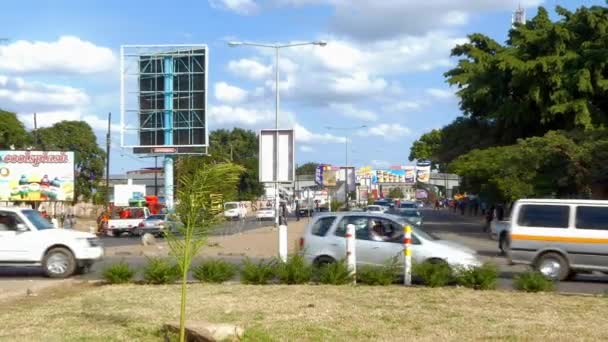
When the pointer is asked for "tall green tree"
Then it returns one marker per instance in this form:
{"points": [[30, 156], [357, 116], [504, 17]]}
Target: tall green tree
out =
{"points": [[238, 146], [427, 148], [12, 131], [307, 168], [89, 158]]}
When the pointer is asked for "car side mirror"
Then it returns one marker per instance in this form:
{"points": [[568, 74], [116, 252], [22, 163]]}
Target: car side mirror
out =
{"points": [[21, 227]]}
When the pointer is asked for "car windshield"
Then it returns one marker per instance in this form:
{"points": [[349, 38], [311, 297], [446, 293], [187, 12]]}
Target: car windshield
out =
{"points": [[409, 213], [407, 205], [228, 206], [156, 217], [37, 220]]}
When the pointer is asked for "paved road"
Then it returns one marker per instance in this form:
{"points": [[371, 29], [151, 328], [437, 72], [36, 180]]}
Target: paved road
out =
{"points": [[447, 225], [228, 228], [468, 231]]}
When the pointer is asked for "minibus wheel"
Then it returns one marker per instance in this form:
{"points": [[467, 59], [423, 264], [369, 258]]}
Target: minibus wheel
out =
{"points": [[553, 266]]}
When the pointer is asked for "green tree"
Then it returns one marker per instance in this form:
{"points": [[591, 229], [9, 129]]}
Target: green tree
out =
{"points": [[395, 193], [427, 148], [89, 158], [199, 205], [238, 146], [12, 131], [307, 168]]}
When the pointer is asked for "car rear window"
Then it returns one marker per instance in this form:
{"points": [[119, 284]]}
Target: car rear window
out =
{"points": [[543, 216], [592, 218], [322, 225]]}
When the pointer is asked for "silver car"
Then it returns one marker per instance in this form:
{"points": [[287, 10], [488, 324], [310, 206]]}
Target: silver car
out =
{"points": [[412, 215], [379, 238]]}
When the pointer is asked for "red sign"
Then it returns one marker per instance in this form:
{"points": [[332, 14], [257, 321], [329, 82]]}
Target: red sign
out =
{"points": [[164, 150]]}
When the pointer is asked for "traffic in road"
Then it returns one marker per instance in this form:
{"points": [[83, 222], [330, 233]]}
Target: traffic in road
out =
{"points": [[442, 223]]}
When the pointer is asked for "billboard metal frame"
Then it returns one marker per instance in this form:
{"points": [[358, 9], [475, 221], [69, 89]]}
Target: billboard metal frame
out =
{"points": [[130, 52]]}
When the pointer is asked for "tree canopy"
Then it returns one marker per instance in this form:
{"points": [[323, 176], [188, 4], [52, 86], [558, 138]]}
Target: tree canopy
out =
{"points": [[12, 131], [307, 168], [89, 158], [533, 109]]}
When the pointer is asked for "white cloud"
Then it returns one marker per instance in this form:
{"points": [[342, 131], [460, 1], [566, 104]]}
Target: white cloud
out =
{"points": [[347, 71], [237, 115], [304, 135], [392, 18], [18, 95], [250, 68], [243, 7], [306, 149], [387, 131], [441, 94], [68, 54], [348, 110], [229, 94]]}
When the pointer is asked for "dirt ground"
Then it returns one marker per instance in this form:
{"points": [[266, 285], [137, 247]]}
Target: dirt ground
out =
{"points": [[256, 243]]}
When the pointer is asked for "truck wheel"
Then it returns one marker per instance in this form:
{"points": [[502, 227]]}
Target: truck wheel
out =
{"points": [[59, 263], [116, 234], [553, 266]]}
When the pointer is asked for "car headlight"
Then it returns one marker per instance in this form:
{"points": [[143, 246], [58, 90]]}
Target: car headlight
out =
{"points": [[94, 242]]}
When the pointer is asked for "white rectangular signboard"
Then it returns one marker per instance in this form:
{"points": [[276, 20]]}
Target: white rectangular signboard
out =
{"points": [[268, 156]]}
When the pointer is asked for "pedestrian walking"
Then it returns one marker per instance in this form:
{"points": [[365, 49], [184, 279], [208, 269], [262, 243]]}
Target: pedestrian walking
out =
{"points": [[297, 210]]}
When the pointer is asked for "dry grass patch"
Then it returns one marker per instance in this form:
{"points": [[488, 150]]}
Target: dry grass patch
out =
{"points": [[308, 313]]}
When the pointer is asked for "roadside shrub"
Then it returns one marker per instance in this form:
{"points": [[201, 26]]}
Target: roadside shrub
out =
{"points": [[214, 271], [533, 282], [161, 271], [378, 275], [294, 271], [119, 273], [478, 278], [433, 274], [335, 273], [258, 274]]}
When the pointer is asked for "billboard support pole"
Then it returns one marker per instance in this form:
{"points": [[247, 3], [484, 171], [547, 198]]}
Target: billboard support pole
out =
{"points": [[108, 163], [168, 116]]}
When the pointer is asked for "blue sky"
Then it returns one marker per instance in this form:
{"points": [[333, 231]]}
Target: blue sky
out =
{"points": [[382, 67]]}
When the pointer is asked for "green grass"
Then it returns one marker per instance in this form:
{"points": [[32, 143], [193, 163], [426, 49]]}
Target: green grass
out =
{"points": [[305, 313]]}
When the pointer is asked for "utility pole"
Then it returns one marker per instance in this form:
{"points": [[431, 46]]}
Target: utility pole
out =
{"points": [[35, 131], [155, 175], [108, 163]]}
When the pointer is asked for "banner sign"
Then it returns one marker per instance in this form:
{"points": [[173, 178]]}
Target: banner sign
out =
{"points": [[423, 171], [36, 176]]}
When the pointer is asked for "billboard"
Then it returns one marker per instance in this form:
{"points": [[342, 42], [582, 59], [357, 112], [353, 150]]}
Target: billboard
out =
{"points": [[36, 176], [268, 156], [124, 193], [164, 98], [423, 171]]}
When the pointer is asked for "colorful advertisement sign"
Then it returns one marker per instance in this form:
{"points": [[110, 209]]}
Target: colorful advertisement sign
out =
{"points": [[423, 171], [36, 176]]}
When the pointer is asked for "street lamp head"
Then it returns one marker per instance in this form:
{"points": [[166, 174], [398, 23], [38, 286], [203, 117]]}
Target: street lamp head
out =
{"points": [[320, 43], [233, 44]]}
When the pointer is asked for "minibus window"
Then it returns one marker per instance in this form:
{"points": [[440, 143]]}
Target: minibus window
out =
{"points": [[592, 218], [543, 216]]}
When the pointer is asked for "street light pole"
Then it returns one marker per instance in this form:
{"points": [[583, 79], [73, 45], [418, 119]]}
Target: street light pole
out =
{"points": [[346, 157], [276, 48]]}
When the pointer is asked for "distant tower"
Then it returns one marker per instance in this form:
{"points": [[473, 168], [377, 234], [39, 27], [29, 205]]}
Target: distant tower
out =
{"points": [[519, 16]]}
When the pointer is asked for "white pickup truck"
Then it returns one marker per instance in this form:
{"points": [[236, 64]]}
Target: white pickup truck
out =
{"points": [[27, 239], [117, 226]]}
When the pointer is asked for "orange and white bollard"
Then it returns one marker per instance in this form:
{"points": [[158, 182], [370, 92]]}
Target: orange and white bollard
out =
{"points": [[407, 255], [351, 255]]}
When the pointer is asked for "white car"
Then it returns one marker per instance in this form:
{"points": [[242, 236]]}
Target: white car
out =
{"points": [[265, 214], [375, 208], [234, 210], [27, 239], [379, 238]]}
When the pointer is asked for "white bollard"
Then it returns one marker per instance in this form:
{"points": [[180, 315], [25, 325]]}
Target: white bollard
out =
{"points": [[407, 255], [283, 242], [351, 252]]}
